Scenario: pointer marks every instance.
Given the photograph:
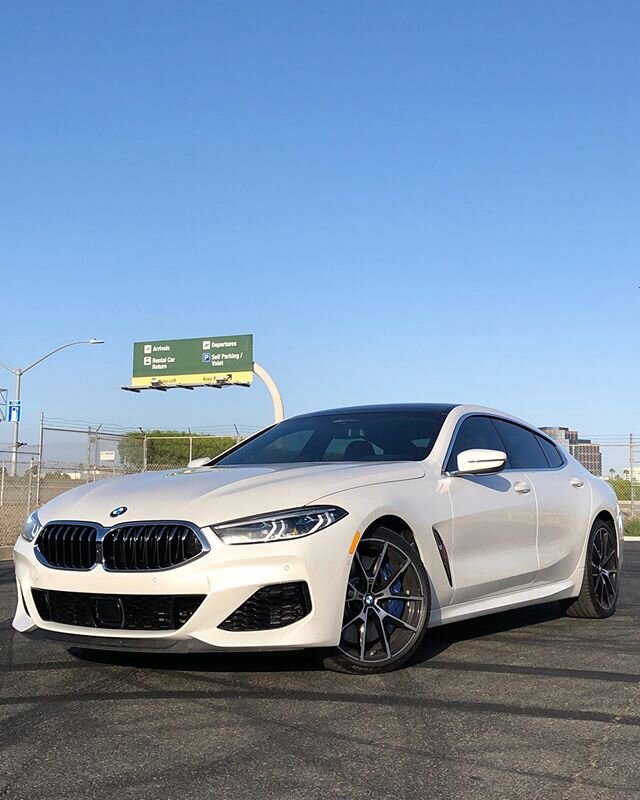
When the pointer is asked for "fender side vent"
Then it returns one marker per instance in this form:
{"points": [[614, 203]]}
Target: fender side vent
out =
{"points": [[443, 555]]}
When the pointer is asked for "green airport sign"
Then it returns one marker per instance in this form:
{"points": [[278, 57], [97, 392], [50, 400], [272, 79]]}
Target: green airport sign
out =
{"points": [[207, 360]]}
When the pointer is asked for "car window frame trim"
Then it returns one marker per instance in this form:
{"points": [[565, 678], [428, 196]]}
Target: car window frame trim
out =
{"points": [[534, 431]]}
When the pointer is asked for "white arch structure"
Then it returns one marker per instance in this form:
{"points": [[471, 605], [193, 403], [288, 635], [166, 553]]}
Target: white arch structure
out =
{"points": [[276, 397]]}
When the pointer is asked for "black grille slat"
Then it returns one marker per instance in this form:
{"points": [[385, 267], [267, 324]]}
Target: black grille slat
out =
{"points": [[174, 543], [136, 612], [151, 546], [85, 549], [68, 546], [117, 549], [165, 546], [183, 546], [271, 607], [62, 539], [74, 549]]}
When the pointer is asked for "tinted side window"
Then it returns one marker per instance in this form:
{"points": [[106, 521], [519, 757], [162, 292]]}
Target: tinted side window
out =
{"points": [[522, 446], [551, 452], [475, 432]]}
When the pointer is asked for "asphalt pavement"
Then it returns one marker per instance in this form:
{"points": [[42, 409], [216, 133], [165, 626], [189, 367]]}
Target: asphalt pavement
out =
{"points": [[527, 704]]}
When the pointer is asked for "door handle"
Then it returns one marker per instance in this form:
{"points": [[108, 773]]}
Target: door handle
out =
{"points": [[577, 483], [521, 487]]}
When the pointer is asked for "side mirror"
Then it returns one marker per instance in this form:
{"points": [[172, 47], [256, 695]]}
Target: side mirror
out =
{"points": [[481, 462], [198, 462]]}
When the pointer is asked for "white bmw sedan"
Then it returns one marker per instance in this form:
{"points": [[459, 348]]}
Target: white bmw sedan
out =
{"points": [[352, 530]]}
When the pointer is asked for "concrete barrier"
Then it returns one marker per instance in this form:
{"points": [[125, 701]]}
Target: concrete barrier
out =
{"points": [[6, 552]]}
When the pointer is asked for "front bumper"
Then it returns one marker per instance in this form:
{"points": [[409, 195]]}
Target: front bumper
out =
{"points": [[227, 576]]}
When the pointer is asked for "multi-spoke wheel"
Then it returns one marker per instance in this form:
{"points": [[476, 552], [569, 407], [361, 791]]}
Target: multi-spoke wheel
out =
{"points": [[386, 608], [599, 593]]}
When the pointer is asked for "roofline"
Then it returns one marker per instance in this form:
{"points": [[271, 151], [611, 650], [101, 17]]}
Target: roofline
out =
{"points": [[392, 408]]}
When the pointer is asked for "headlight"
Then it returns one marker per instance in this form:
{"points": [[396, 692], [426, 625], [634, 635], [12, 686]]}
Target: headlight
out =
{"points": [[292, 524], [31, 527]]}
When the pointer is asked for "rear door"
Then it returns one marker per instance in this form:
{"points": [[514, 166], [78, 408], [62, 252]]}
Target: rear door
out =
{"points": [[494, 519], [563, 491]]}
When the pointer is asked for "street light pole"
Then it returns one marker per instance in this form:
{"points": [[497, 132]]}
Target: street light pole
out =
{"points": [[19, 372], [16, 427]]}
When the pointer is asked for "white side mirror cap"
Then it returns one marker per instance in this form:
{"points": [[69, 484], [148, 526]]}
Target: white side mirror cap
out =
{"points": [[481, 462], [198, 462]]}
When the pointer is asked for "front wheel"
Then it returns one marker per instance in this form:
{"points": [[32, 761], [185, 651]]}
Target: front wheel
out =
{"points": [[386, 609], [601, 580]]}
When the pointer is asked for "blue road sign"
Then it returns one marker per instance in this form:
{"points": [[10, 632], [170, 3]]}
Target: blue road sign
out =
{"points": [[14, 411]]}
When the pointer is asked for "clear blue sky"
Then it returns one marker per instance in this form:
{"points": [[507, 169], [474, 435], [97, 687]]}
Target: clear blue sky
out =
{"points": [[401, 200]]}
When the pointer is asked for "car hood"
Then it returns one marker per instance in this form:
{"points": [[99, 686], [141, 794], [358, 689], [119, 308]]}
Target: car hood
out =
{"points": [[214, 494]]}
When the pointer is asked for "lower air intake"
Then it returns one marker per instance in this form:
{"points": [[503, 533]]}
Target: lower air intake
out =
{"points": [[271, 607], [133, 612]]}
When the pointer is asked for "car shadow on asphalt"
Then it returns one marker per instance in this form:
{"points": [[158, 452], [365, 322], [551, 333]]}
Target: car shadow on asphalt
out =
{"points": [[437, 641]]}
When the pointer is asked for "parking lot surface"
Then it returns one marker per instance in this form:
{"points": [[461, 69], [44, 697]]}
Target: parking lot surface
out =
{"points": [[527, 704]]}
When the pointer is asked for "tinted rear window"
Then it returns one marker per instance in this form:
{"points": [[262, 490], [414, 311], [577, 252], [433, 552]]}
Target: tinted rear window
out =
{"points": [[551, 452], [363, 437], [522, 446]]}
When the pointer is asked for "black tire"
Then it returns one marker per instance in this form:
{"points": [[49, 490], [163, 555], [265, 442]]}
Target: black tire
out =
{"points": [[382, 627], [601, 581]]}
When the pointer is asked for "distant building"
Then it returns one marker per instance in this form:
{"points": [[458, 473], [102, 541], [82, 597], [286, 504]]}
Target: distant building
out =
{"points": [[584, 450]]}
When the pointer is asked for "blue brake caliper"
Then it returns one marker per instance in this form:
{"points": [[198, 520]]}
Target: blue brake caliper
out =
{"points": [[394, 607]]}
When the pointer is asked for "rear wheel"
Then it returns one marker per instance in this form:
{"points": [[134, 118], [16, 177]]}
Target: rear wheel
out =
{"points": [[386, 609], [601, 581]]}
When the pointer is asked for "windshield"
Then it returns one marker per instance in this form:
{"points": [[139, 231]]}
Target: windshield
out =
{"points": [[366, 436]]}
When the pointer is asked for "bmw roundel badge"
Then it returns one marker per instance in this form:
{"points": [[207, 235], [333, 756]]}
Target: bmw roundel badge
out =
{"points": [[118, 512]]}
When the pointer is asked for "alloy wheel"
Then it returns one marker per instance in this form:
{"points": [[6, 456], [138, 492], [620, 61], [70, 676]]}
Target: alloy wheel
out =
{"points": [[604, 567], [386, 603]]}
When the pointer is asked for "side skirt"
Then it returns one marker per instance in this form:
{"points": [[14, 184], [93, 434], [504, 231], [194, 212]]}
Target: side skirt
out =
{"points": [[544, 593]]}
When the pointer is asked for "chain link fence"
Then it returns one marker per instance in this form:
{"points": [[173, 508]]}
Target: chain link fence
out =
{"points": [[615, 459], [91, 452], [71, 454]]}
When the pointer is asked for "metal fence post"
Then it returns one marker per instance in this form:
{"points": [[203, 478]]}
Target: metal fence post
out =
{"points": [[2, 484], [631, 473], [191, 448], [88, 470], [30, 485], [40, 444], [144, 454], [96, 448]]}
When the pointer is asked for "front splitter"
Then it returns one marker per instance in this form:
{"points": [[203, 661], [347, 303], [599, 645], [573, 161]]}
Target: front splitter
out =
{"points": [[133, 645]]}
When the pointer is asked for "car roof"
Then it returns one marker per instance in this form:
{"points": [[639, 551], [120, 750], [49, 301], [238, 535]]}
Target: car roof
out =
{"points": [[462, 409], [389, 408]]}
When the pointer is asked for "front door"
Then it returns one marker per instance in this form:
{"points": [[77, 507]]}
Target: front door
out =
{"points": [[494, 518]]}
